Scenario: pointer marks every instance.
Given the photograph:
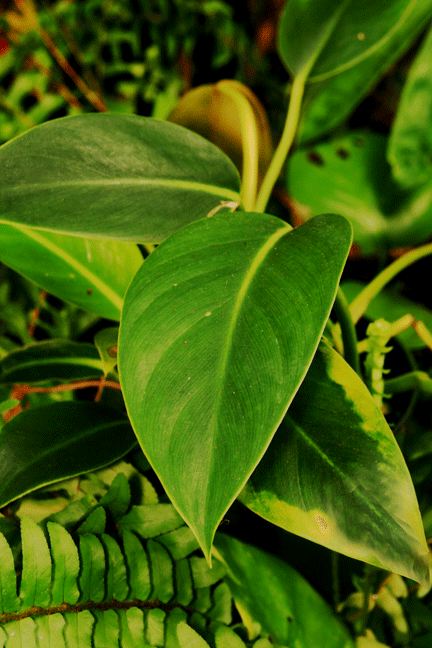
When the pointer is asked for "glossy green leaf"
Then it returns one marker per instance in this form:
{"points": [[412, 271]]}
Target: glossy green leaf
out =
{"points": [[107, 629], [334, 474], [272, 593], [51, 360], [92, 274], [112, 176], [390, 305], [217, 333], [410, 143], [344, 46], [43, 445], [351, 176]]}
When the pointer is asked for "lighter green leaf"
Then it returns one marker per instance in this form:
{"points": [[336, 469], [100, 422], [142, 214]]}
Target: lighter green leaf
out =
{"points": [[92, 274], [91, 579], [79, 629], [183, 582], [138, 567], [155, 627], [116, 577], [66, 565], [112, 176], [8, 592], [161, 572], [217, 333], [188, 638], [49, 631], [107, 631], [227, 638], [95, 522], [132, 627], [334, 474], [36, 571], [21, 634]]}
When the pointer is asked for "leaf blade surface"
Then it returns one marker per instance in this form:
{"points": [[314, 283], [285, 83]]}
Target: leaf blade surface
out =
{"points": [[112, 176], [334, 474]]}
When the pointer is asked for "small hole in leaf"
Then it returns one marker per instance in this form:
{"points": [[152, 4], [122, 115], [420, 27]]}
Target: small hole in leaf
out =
{"points": [[342, 153], [315, 158]]}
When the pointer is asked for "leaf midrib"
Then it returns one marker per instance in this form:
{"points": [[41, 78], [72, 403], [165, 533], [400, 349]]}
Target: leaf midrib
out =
{"points": [[367, 53], [258, 260], [164, 183]]}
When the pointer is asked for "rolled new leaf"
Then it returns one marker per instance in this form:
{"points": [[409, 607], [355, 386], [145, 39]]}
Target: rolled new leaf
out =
{"points": [[335, 475], [218, 330], [112, 176]]}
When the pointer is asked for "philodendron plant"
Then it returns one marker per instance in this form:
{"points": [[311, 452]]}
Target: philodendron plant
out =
{"points": [[236, 382]]}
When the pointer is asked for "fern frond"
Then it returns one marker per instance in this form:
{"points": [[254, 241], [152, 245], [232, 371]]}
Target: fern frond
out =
{"points": [[139, 584]]}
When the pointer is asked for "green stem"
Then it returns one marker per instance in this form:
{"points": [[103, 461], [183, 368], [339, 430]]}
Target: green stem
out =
{"points": [[361, 302], [285, 143], [408, 382], [349, 335]]}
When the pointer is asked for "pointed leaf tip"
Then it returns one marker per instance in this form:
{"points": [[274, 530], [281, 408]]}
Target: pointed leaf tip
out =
{"points": [[219, 327]]}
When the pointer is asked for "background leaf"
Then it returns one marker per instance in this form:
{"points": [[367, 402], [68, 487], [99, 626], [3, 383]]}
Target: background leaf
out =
{"points": [[217, 333], [47, 444], [351, 176], [410, 143], [275, 595], [347, 46], [334, 474], [112, 176], [92, 274], [50, 360]]}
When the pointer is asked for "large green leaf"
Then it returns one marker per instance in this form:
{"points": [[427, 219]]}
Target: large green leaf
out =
{"points": [[50, 360], [334, 474], [344, 46], [350, 176], [269, 591], [219, 327], [51, 443], [410, 143], [112, 176], [89, 273]]}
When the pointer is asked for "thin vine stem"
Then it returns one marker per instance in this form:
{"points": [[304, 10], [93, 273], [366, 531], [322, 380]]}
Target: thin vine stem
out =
{"points": [[285, 143], [349, 335], [359, 305]]}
